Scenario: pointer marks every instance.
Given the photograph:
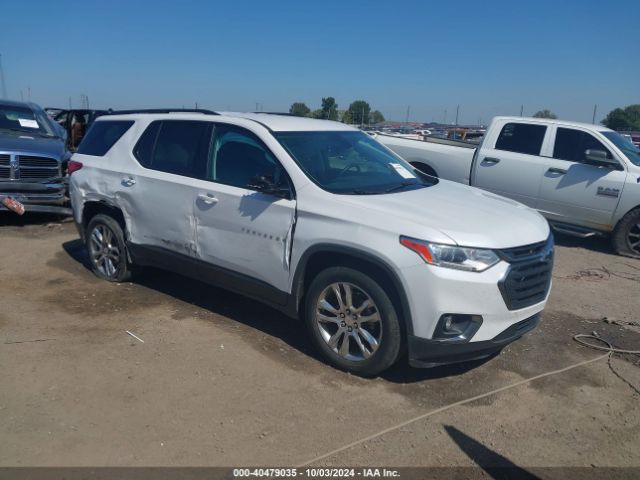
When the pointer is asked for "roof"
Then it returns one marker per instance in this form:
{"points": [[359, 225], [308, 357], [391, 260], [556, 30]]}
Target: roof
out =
{"points": [[14, 103], [550, 121], [274, 122]]}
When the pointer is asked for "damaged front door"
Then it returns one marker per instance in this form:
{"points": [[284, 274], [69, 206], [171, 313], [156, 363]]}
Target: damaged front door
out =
{"points": [[239, 227]]}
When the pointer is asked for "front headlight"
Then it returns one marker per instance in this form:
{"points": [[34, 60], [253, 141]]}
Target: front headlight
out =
{"points": [[450, 256]]}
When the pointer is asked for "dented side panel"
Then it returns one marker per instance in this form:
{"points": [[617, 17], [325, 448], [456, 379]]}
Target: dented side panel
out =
{"points": [[246, 231]]}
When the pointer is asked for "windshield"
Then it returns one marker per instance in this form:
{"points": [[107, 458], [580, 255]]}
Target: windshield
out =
{"points": [[624, 144], [23, 120], [351, 163]]}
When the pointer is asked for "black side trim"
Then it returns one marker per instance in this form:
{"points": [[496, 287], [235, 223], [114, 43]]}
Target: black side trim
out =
{"points": [[298, 278], [425, 353], [199, 270]]}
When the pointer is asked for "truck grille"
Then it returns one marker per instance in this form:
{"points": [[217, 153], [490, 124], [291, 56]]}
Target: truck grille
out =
{"points": [[529, 276], [29, 167]]}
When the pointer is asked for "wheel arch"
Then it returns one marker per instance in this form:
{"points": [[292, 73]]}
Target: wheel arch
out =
{"points": [[320, 257], [94, 207]]}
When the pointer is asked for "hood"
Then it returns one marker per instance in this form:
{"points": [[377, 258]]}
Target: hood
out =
{"points": [[53, 147], [469, 216]]}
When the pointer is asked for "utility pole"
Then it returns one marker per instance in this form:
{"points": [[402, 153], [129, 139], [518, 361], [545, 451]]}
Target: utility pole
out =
{"points": [[29, 93], [521, 109], [457, 112], [444, 119], [408, 110], [595, 109], [4, 86]]}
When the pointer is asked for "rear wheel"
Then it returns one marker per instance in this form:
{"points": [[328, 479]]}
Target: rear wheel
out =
{"points": [[352, 321], [626, 236], [107, 250]]}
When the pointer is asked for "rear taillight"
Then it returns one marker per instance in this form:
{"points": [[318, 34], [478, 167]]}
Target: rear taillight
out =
{"points": [[73, 166]]}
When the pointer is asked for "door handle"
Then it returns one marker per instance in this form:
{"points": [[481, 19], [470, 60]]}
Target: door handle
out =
{"points": [[128, 182], [490, 161], [559, 171], [207, 198]]}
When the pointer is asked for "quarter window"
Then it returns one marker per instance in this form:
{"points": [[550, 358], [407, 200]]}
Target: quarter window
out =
{"points": [[238, 157], [521, 138], [102, 136], [572, 144]]}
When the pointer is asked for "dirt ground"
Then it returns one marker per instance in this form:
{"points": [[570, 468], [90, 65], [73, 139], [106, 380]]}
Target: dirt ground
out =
{"points": [[222, 380]]}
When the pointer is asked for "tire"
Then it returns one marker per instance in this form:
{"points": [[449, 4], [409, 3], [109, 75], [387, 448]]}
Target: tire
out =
{"points": [[107, 249], [374, 344], [626, 236]]}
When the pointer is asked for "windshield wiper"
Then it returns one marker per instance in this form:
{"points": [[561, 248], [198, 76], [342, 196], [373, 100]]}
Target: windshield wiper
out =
{"points": [[401, 186]]}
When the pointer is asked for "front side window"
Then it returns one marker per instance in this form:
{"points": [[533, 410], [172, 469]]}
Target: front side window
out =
{"points": [[572, 144], [102, 136], [238, 158], [521, 138], [179, 147], [625, 145], [351, 163]]}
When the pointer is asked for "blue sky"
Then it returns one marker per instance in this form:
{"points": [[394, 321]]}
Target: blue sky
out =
{"points": [[489, 57]]}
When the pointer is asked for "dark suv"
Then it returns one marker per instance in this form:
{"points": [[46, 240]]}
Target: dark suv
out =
{"points": [[33, 158]]}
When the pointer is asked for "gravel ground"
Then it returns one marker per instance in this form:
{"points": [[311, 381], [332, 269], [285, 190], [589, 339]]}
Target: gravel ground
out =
{"points": [[222, 380]]}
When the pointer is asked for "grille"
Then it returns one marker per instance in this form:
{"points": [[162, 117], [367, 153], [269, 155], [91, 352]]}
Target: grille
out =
{"points": [[4, 172], [27, 161], [529, 277], [32, 167], [4, 159]]}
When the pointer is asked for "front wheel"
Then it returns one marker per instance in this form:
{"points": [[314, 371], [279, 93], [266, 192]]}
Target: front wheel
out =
{"points": [[626, 236], [352, 321]]}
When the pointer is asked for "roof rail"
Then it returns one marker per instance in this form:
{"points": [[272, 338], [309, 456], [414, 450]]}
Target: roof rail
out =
{"points": [[286, 114], [164, 110]]}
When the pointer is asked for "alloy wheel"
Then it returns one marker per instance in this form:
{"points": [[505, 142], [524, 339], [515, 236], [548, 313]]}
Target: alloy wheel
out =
{"points": [[633, 237], [349, 321], [104, 250]]}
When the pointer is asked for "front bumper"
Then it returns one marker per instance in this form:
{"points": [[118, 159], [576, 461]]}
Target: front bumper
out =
{"points": [[49, 197], [424, 353]]}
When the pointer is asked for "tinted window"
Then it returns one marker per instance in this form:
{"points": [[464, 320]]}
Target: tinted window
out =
{"points": [[181, 148], [351, 163], [102, 136], [238, 157], [144, 148], [572, 144], [521, 138]]}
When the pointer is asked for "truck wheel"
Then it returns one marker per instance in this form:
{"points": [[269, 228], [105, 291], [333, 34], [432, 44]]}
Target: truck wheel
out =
{"points": [[626, 236], [352, 321], [107, 250]]}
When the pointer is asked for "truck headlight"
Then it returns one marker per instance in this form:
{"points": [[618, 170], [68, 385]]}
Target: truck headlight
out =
{"points": [[450, 256]]}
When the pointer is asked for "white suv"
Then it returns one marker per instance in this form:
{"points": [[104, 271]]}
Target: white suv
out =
{"points": [[319, 220]]}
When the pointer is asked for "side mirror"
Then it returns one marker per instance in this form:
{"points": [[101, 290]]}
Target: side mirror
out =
{"points": [[265, 184], [600, 158]]}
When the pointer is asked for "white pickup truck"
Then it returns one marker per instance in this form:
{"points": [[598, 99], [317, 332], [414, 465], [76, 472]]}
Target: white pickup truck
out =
{"points": [[585, 179]]}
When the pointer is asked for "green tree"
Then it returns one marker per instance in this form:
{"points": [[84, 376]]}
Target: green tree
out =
{"points": [[359, 112], [627, 118], [377, 117], [317, 114], [346, 117], [299, 109], [329, 109], [545, 114]]}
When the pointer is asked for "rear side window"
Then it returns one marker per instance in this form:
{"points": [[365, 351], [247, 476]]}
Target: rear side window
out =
{"points": [[521, 138], [102, 136], [179, 147], [572, 145]]}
